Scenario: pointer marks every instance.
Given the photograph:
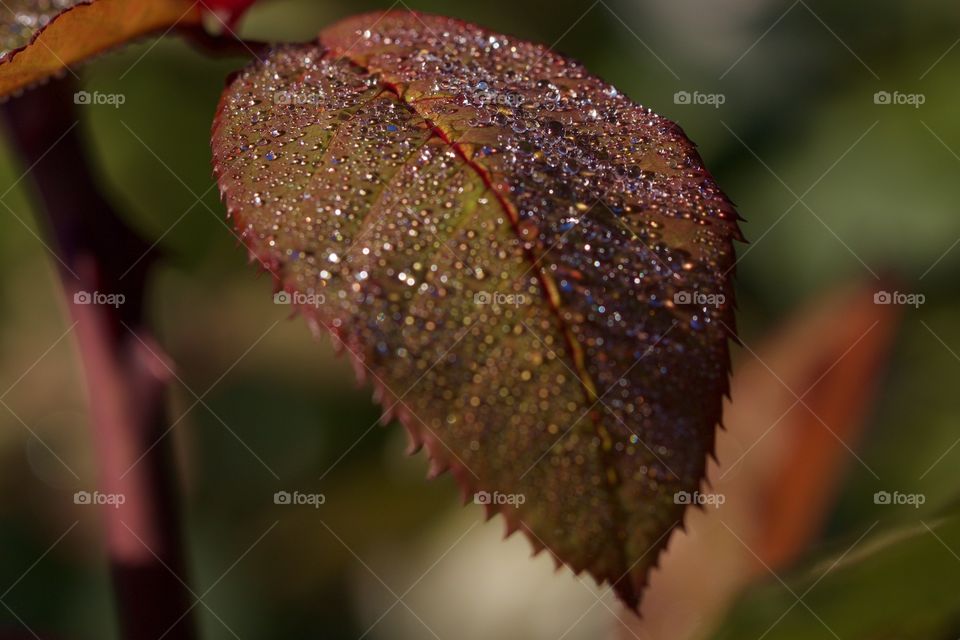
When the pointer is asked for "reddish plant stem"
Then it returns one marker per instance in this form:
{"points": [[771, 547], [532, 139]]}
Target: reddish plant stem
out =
{"points": [[126, 376]]}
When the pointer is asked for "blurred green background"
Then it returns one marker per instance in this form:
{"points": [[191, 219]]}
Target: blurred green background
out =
{"points": [[799, 119]]}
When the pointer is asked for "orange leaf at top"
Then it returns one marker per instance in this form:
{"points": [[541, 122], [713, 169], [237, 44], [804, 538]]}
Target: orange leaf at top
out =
{"points": [[533, 270], [41, 38]]}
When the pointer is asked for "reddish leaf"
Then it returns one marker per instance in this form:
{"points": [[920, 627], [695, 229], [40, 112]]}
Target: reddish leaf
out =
{"points": [[508, 247], [40, 38]]}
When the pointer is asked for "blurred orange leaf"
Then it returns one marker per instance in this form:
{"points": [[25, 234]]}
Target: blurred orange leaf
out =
{"points": [[800, 399]]}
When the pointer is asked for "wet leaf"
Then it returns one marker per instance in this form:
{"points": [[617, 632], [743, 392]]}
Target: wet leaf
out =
{"points": [[533, 271], [41, 38]]}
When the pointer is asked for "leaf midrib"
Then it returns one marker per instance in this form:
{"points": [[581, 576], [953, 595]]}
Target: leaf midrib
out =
{"points": [[611, 480]]}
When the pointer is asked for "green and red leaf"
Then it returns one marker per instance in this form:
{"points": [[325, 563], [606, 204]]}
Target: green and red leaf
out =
{"points": [[533, 271]]}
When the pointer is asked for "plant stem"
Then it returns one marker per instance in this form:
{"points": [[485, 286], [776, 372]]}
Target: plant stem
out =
{"points": [[127, 377]]}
